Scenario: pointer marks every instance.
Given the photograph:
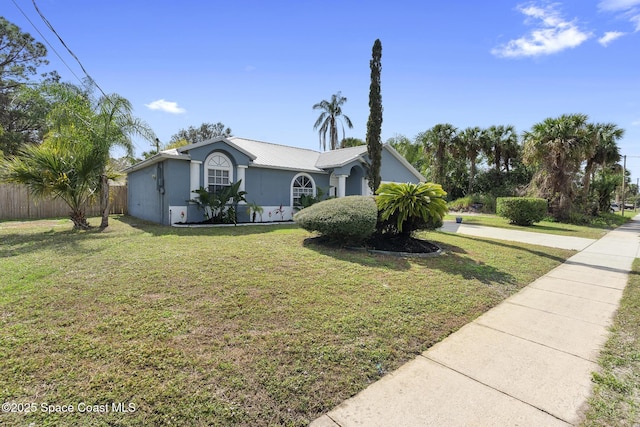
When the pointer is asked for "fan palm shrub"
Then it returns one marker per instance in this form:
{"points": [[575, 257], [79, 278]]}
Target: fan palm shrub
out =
{"points": [[408, 207], [49, 171]]}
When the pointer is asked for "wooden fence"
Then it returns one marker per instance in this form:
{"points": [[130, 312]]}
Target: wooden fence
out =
{"points": [[17, 203]]}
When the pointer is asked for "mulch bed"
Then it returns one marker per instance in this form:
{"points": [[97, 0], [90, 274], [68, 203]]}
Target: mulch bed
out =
{"points": [[401, 244]]}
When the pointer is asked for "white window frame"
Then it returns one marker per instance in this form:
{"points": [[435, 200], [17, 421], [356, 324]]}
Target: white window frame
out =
{"points": [[220, 163], [299, 178]]}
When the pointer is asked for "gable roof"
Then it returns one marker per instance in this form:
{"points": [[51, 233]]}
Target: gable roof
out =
{"points": [[276, 156], [340, 157]]}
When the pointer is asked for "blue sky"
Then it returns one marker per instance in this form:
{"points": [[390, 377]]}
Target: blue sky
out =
{"points": [[259, 66]]}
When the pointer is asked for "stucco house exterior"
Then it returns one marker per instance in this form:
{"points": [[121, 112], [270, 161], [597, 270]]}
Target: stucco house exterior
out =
{"points": [[273, 176]]}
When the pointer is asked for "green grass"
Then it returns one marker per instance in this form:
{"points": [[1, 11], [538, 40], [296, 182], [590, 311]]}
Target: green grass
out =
{"points": [[594, 231], [226, 326], [616, 394]]}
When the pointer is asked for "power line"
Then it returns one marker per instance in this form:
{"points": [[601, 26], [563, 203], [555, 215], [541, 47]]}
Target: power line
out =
{"points": [[47, 41], [48, 24]]}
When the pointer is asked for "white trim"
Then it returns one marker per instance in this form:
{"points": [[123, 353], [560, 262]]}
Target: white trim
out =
{"points": [[306, 175], [241, 176], [223, 159], [342, 185], [194, 177]]}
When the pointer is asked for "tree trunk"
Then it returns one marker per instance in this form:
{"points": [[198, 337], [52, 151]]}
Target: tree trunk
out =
{"points": [[586, 180], [79, 219], [104, 200], [472, 175]]}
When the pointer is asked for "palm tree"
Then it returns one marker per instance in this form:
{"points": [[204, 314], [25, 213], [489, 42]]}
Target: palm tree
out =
{"points": [[439, 142], [106, 124], [328, 120], [604, 151], [500, 146], [469, 145], [557, 146], [114, 127]]}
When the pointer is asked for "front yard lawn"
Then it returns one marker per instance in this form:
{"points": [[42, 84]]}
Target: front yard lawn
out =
{"points": [[224, 326]]}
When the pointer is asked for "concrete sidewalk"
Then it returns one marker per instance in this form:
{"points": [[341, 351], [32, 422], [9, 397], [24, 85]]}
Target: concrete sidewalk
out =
{"points": [[527, 362]]}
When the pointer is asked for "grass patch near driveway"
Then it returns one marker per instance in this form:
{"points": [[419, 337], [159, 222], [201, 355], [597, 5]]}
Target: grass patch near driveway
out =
{"points": [[594, 231], [616, 394], [225, 326]]}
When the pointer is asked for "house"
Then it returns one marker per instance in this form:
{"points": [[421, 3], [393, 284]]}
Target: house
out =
{"points": [[274, 177]]}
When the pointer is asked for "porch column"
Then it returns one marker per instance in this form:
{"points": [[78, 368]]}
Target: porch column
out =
{"points": [[342, 185], [241, 176], [194, 177]]}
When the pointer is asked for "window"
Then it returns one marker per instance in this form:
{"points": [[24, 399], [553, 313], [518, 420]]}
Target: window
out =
{"points": [[302, 184], [219, 172]]}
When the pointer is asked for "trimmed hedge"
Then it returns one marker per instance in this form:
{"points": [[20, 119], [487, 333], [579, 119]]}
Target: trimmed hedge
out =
{"points": [[522, 210], [350, 219]]}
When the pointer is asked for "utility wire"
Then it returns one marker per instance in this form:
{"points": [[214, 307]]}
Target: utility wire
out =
{"points": [[47, 41], [48, 24]]}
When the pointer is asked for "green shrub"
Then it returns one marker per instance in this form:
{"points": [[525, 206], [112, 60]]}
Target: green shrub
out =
{"points": [[522, 210], [348, 220], [405, 208], [474, 203]]}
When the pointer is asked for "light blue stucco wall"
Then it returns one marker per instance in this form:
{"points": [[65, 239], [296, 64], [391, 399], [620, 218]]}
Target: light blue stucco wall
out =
{"points": [[236, 156], [354, 181], [151, 190], [143, 197], [273, 186], [393, 170]]}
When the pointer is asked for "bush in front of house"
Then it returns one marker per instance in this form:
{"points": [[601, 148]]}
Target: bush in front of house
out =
{"points": [[522, 210], [347, 220], [408, 207]]}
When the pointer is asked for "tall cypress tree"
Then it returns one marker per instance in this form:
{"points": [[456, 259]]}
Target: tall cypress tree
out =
{"points": [[374, 124]]}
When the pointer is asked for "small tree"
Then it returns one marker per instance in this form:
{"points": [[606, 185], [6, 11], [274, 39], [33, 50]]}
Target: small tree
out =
{"points": [[374, 124]]}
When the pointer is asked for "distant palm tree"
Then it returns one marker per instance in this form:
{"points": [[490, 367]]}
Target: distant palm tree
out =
{"points": [[438, 143], [501, 145], [604, 152], [469, 145], [329, 118]]}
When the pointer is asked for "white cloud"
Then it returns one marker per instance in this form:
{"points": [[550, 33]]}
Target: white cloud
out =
{"points": [[635, 123], [618, 5], [610, 36], [552, 35], [166, 106], [636, 20], [628, 9]]}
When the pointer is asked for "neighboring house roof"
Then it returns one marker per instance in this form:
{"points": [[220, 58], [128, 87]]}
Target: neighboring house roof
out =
{"points": [[276, 156]]}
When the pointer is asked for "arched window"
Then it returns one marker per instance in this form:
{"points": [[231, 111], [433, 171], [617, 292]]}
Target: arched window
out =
{"points": [[302, 184], [218, 171]]}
